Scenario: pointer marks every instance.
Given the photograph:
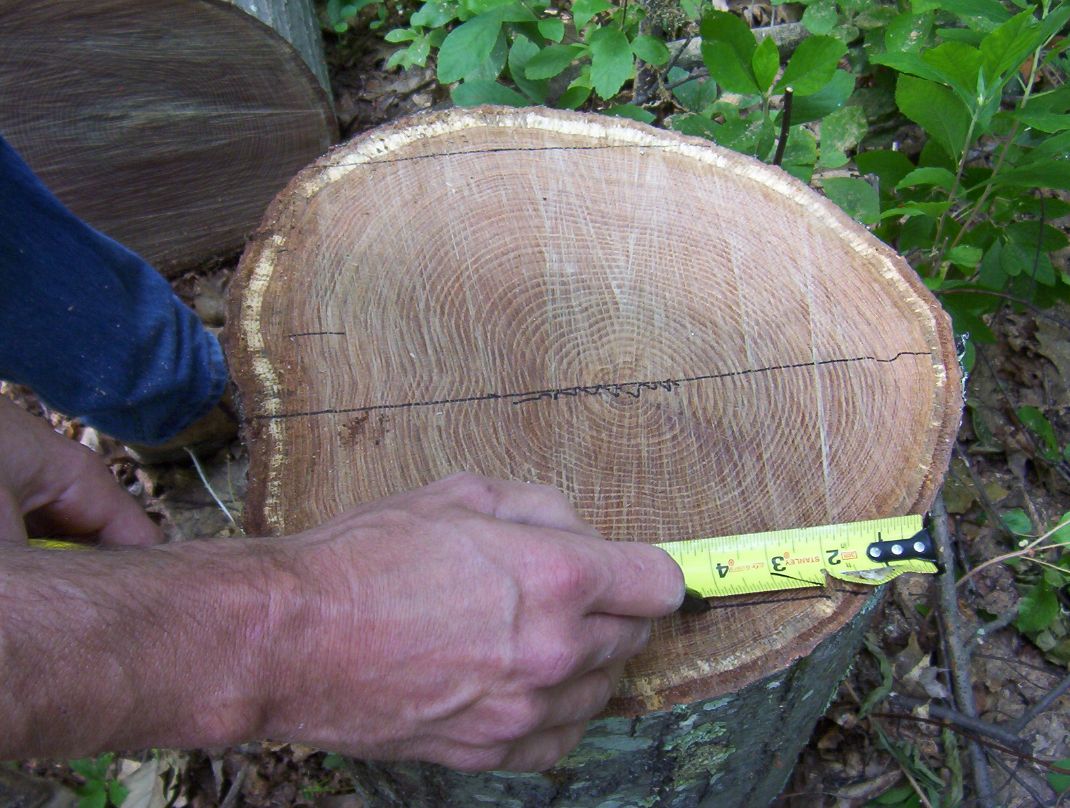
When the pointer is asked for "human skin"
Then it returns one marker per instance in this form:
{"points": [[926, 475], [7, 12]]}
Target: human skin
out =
{"points": [[475, 623]]}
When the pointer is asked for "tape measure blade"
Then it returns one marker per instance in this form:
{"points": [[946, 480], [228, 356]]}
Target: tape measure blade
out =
{"points": [[789, 559]]}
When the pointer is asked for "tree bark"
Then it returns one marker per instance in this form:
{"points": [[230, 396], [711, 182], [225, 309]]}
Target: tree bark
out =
{"points": [[687, 342], [167, 124]]}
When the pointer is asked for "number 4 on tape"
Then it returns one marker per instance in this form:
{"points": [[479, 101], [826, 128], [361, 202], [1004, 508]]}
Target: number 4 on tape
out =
{"points": [[871, 552]]}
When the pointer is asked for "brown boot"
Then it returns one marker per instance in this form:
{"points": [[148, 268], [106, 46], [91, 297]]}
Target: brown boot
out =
{"points": [[214, 431]]}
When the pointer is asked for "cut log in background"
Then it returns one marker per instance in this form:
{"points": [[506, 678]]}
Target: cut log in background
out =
{"points": [[167, 124], [687, 342]]}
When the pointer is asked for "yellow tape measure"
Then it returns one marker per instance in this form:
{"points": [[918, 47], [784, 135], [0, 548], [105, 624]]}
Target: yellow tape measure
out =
{"points": [[871, 552]]}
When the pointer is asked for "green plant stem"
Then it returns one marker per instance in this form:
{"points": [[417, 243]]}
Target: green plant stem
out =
{"points": [[939, 259], [979, 204]]}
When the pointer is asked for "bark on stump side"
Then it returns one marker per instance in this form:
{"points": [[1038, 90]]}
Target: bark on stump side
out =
{"points": [[687, 342], [169, 125]]}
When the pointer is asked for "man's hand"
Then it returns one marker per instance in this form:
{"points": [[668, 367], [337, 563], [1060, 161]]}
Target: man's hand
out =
{"points": [[474, 623], [60, 488]]}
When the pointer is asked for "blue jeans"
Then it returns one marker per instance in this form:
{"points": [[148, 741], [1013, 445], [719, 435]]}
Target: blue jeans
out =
{"points": [[94, 330]]}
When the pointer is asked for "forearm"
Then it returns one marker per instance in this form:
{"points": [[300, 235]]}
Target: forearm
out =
{"points": [[168, 646]]}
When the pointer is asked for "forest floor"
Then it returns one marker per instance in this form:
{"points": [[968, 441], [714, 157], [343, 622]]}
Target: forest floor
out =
{"points": [[898, 753]]}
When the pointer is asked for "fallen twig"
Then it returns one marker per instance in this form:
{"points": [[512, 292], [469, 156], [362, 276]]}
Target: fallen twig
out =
{"points": [[1052, 696], [945, 716], [957, 656]]}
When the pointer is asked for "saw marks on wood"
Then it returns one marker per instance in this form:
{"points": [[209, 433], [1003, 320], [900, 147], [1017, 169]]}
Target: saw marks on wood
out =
{"points": [[688, 343]]}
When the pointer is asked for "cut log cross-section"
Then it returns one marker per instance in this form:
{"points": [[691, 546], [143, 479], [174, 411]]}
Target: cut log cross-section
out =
{"points": [[687, 342], [169, 125]]}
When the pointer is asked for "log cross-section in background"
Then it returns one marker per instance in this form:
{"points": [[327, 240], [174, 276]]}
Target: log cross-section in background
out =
{"points": [[687, 342], [167, 124]]}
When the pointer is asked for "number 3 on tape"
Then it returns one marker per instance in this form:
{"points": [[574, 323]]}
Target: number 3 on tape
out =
{"points": [[871, 552]]}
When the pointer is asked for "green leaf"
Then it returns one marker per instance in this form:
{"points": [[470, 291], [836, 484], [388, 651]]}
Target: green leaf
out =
{"points": [[964, 255], [879, 693], [1039, 174], [492, 66], [94, 797], [959, 64], [583, 11], [1049, 122], [912, 209], [401, 35], [695, 95], [522, 51], [1036, 422], [1060, 783], [828, 99], [720, 26], [1005, 48], [574, 96], [908, 32], [820, 17], [332, 761], [117, 792], [973, 11], [482, 91], [1037, 609], [651, 50], [632, 111], [927, 176], [1016, 521], [765, 62], [856, 196], [553, 29], [840, 131], [889, 166], [800, 153], [937, 110], [433, 14], [468, 46], [551, 60], [611, 61], [726, 69], [812, 65]]}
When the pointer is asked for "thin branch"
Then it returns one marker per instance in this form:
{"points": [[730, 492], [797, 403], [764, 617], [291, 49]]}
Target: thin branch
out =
{"points": [[1013, 775], [1025, 552], [946, 716], [785, 126], [695, 75], [957, 656], [1052, 696]]}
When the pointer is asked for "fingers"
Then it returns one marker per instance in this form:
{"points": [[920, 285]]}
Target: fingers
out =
{"points": [[641, 581], [61, 488], [542, 750], [85, 500]]}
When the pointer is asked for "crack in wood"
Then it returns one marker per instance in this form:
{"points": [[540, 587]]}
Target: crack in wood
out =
{"points": [[615, 390]]}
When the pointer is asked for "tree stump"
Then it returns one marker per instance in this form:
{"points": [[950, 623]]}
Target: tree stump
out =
{"points": [[167, 124], [687, 342]]}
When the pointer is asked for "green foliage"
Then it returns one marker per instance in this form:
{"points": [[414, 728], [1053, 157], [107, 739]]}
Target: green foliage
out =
{"points": [[1059, 782], [982, 81], [507, 51], [99, 789]]}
